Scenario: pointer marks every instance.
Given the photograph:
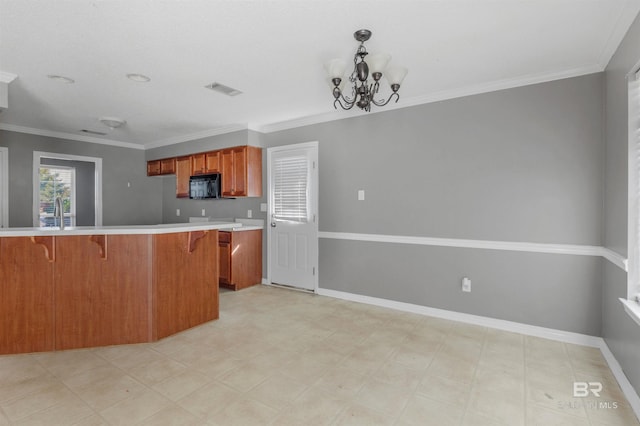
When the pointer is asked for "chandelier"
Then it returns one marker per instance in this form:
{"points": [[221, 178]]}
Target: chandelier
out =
{"points": [[364, 90]]}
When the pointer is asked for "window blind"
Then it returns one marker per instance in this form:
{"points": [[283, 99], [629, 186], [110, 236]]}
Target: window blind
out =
{"points": [[291, 189]]}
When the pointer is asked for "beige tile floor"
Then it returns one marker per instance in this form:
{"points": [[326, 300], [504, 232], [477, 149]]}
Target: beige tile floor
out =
{"points": [[282, 357]]}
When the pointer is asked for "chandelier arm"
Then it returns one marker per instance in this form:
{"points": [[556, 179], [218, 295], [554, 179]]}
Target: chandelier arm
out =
{"points": [[383, 103], [338, 102]]}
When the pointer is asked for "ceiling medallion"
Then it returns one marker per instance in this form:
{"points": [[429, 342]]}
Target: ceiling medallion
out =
{"points": [[363, 89]]}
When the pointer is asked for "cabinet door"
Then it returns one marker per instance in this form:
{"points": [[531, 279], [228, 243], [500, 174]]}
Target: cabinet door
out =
{"points": [[167, 166], [153, 168], [226, 158], [183, 172], [234, 172], [224, 266], [240, 171], [212, 162], [198, 164]]}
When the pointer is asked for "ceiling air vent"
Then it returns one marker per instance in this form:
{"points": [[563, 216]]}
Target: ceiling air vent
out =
{"points": [[92, 132], [225, 90]]}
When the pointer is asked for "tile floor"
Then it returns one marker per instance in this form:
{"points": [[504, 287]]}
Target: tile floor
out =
{"points": [[283, 357]]}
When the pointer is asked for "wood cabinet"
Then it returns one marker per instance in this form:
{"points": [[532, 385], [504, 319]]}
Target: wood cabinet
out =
{"points": [[241, 169], [240, 264], [165, 166], [212, 162], [183, 173], [205, 163], [198, 164], [153, 168], [78, 291]]}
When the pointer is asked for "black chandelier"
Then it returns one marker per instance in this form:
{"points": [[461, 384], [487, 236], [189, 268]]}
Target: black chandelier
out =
{"points": [[364, 90]]}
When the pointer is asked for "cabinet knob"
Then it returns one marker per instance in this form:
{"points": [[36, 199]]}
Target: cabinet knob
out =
{"points": [[273, 224]]}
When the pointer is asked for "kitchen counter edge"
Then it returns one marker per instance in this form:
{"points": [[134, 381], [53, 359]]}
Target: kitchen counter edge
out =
{"points": [[122, 230]]}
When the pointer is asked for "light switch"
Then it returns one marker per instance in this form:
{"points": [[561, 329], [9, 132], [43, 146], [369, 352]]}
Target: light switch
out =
{"points": [[360, 194], [203, 212], [177, 212]]}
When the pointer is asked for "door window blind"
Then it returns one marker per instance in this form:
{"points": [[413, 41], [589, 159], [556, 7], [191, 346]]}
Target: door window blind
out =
{"points": [[291, 189]]}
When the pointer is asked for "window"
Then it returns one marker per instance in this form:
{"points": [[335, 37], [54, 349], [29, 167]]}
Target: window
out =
{"points": [[57, 181], [4, 187], [632, 302], [291, 191]]}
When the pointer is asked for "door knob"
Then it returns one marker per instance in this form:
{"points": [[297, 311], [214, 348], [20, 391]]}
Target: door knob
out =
{"points": [[273, 224]]}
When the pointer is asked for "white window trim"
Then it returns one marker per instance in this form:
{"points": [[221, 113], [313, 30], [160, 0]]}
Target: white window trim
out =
{"points": [[632, 302], [38, 155], [4, 189]]}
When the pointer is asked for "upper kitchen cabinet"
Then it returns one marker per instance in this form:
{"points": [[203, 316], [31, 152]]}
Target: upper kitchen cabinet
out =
{"points": [[153, 168], [205, 163], [241, 171], [197, 164], [166, 166], [183, 172]]}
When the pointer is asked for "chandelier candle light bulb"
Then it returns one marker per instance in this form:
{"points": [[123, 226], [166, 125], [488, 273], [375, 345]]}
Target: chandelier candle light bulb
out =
{"points": [[363, 90]]}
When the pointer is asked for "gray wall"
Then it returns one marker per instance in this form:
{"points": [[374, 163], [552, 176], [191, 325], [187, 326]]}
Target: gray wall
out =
{"points": [[122, 205], [620, 332], [522, 164], [85, 188]]}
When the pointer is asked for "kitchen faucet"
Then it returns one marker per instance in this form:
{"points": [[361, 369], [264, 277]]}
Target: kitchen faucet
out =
{"points": [[59, 212]]}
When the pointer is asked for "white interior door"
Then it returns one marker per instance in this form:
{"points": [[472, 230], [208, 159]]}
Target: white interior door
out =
{"points": [[4, 187], [293, 225]]}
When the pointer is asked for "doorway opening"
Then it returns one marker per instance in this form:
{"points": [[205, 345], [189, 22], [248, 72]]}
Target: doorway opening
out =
{"points": [[76, 179]]}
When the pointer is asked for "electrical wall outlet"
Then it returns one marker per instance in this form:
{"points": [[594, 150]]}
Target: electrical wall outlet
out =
{"points": [[203, 212], [466, 285], [249, 214], [360, 194], [263, 207], [177, 212]]}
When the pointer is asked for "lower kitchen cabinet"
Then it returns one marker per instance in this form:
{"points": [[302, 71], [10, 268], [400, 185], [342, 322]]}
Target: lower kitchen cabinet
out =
{"points": [[240, 258]]}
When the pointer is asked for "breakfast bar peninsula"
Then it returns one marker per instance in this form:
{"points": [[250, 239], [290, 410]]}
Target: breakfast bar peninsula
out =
{"points": [[96, 286]]}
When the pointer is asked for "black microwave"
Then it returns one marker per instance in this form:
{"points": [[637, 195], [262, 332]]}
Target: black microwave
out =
{"points": [[205, 186]]}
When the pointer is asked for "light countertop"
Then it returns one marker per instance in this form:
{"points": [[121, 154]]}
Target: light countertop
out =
{"points": [[167, 228], [240, 224]]}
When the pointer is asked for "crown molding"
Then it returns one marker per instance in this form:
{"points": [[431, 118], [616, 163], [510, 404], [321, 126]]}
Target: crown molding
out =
{"points": [[68, 136], [195, 136], [627, 15], [7, 77], [329, 116], [492, 86]]}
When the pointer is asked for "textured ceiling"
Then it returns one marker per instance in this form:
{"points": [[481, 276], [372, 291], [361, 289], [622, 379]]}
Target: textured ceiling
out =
{"points": [[273, 51]]}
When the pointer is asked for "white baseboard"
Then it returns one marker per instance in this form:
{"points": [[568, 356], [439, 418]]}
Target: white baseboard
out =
{"points": [[515, 327], [625, 385]]}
